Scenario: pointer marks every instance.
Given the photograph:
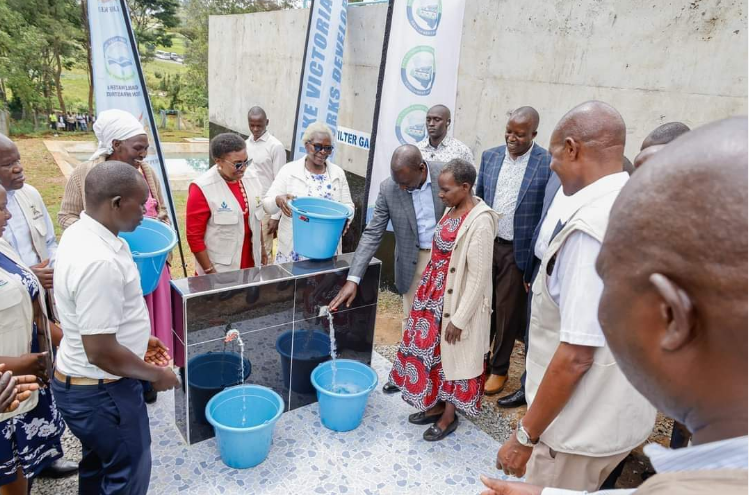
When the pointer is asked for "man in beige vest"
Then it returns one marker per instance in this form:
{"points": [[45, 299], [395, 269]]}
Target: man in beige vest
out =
{"points": [[671, 300], [583, 415]]}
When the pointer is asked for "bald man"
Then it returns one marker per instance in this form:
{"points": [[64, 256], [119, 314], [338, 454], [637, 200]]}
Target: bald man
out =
{"points": [[268, 156], [671, 300], [657, 139], [512, 181], [583, 415], [438, 146]]}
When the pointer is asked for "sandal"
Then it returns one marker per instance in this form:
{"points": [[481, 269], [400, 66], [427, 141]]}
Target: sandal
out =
{"points": [[422, 418], [435, 434]]}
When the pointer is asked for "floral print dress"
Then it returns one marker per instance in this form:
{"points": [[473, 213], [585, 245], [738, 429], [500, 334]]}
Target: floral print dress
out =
{"points": [[318, 186], [30, 440], [417, 369]]}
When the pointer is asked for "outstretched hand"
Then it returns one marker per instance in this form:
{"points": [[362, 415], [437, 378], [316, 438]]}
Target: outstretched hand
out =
{"points": [[157, 353], [499, 487]]}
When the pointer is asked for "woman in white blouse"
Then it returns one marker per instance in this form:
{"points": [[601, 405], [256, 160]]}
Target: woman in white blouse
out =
{"points": [[311, 176]]}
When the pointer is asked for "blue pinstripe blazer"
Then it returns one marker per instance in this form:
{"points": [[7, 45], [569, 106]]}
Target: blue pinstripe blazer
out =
{"points": [[530, 198]]}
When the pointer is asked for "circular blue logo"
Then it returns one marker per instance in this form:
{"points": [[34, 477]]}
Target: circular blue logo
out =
{"points": [[411, 127], [424, 15], [118, 59], [418, 70]]}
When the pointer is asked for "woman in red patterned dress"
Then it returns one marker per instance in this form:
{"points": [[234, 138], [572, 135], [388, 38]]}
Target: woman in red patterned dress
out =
{"points": [[440, 363]]}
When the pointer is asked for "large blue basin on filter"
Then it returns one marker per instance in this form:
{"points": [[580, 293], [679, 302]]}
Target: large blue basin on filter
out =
{"points": [[151, 242], [342, 409], [318, 224], [243, 418]]}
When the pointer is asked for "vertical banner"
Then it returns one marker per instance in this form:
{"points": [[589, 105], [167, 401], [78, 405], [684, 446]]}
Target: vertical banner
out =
{"points": [[119, 82], [320, 85], [421, 70]]}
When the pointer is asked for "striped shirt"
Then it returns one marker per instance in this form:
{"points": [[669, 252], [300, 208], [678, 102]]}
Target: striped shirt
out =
{"points": [[724, 454]]}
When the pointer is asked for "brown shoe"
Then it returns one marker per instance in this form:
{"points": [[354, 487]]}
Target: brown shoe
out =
{"points": [[495, 384]]}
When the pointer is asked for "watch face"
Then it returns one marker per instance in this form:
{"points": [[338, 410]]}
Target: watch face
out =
{"points": [[523, 438]]}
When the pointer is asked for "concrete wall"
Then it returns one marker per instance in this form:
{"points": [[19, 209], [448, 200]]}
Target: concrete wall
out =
{"points": [[654, 61]]}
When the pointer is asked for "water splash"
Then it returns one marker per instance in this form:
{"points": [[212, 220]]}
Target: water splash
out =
{"points": [[324, 311], [231, 336]]}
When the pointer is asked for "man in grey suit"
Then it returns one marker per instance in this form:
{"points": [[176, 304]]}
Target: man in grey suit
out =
{"points": [[410, 200]]}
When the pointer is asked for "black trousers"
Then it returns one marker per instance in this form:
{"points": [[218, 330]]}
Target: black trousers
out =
{"points": [[510, 307]]}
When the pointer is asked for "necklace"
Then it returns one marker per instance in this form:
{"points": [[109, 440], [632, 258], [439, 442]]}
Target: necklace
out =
{"points": [[246, 210]]}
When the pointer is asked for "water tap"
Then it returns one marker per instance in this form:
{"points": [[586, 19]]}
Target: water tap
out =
{"points": [[230, 333]]}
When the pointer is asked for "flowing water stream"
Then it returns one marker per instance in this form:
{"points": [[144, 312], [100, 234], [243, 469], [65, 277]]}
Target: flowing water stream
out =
{"points": [[331, 332], [231, 336]]}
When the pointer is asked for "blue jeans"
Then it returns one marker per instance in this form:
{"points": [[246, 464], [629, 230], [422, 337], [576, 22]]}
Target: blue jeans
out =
{"points": [[111, 421]]}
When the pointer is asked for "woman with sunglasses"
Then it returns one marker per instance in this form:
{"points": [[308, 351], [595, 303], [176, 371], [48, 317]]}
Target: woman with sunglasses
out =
{"points": [[222, 229], [311, 176]]}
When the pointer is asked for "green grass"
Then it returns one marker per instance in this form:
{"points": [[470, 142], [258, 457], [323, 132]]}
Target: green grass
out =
{"points": [[178, 45]]}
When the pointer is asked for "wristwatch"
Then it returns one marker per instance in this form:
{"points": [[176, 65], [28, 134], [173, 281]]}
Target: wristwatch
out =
{"points": [[524, 437]]}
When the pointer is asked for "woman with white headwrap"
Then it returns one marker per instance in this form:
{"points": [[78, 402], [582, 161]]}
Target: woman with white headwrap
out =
{"points": [[123, 138]]}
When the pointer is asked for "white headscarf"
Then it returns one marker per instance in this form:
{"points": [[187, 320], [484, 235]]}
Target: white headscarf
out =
{"points": [[113, 125]]}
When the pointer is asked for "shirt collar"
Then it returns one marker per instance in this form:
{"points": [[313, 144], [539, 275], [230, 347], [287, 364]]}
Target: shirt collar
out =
{"points": [[724, 454], [426, 185], [522, 157], [591, 192], [100, 230], [263, 138], [443, 144]]}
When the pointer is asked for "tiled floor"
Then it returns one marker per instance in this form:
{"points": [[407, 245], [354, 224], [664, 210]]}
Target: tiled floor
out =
{"points": [[386, 454]]}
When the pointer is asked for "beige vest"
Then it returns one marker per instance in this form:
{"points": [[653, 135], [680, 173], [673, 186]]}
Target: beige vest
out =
{"points": [[32, 206], [224, 233], [719, 481], [16, 321], [605, 415]]}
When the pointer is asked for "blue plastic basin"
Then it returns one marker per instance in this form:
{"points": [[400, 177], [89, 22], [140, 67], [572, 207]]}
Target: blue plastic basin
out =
{"points": [[151, 242], [343, 409], [317, 225], [243, 418], [210, 373], [310, 349]]}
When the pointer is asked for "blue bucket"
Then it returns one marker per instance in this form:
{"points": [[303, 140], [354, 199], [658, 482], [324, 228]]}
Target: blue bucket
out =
{"points": [[342, 409], [310, 349], [318, 224], [243, 418], [210, 373], [151, 242]]}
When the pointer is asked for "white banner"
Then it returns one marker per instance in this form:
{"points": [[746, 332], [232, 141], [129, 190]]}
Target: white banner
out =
{"points": [[320, 92], [421, 70], [118, 79], [353, 138]]}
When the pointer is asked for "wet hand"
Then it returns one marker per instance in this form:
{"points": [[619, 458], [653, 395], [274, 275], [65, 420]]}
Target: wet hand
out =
{"points": [[44, 273], [345, 296], [499, 487], [157, 353], [452, 333], [282, 201], [513, 457], [167, 380]]}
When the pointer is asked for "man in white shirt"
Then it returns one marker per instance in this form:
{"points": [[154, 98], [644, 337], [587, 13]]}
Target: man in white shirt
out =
{"points": [[571, 436], [268, 156], [31, 234], [438, 146], [107, 347], [670, 300]]}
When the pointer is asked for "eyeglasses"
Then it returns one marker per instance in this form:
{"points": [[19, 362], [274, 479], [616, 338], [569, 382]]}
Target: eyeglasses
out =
{"points": [[319, 147], [239, 165]]}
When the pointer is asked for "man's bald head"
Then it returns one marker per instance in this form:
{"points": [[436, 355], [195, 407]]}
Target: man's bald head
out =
{"points": [[407, 167], [520, 131], [407, 156], [440, 110], [256, 112], [109, 180], [587, 144], [664, 134], [11, 171], [675, 277], [526, 114], [257, 121]]}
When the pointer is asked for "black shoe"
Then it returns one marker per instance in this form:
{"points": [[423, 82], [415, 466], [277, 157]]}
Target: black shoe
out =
{"points": [[515, 399], [150, 395], [434, 434], [390, 388], [61, 468], [422, 418]]}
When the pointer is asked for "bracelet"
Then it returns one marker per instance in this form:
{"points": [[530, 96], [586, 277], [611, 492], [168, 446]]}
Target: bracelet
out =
{"points": [[210, 269]]}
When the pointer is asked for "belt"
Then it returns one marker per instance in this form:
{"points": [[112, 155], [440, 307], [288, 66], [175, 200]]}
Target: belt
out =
{"points": [[425, 249], [77, 380], [499, 240]]}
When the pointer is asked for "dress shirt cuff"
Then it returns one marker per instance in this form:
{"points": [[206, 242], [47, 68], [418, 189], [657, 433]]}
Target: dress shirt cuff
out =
{"points": [[98, 331], [352, 278], [277, 216], [577, 338]]}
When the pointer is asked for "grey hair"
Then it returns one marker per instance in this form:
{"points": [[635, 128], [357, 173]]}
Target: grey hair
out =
{"points": [[315, 128]]}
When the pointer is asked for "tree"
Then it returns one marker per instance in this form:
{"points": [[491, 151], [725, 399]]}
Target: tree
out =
{"points": [[152, 20]]}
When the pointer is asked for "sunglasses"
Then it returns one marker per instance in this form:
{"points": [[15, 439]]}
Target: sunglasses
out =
{"points": [[239, 165], [319, 147]]}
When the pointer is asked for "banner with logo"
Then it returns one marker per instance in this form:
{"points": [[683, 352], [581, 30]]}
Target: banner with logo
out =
{"points": [[320, 87], [119, 81], [421, 70]]}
